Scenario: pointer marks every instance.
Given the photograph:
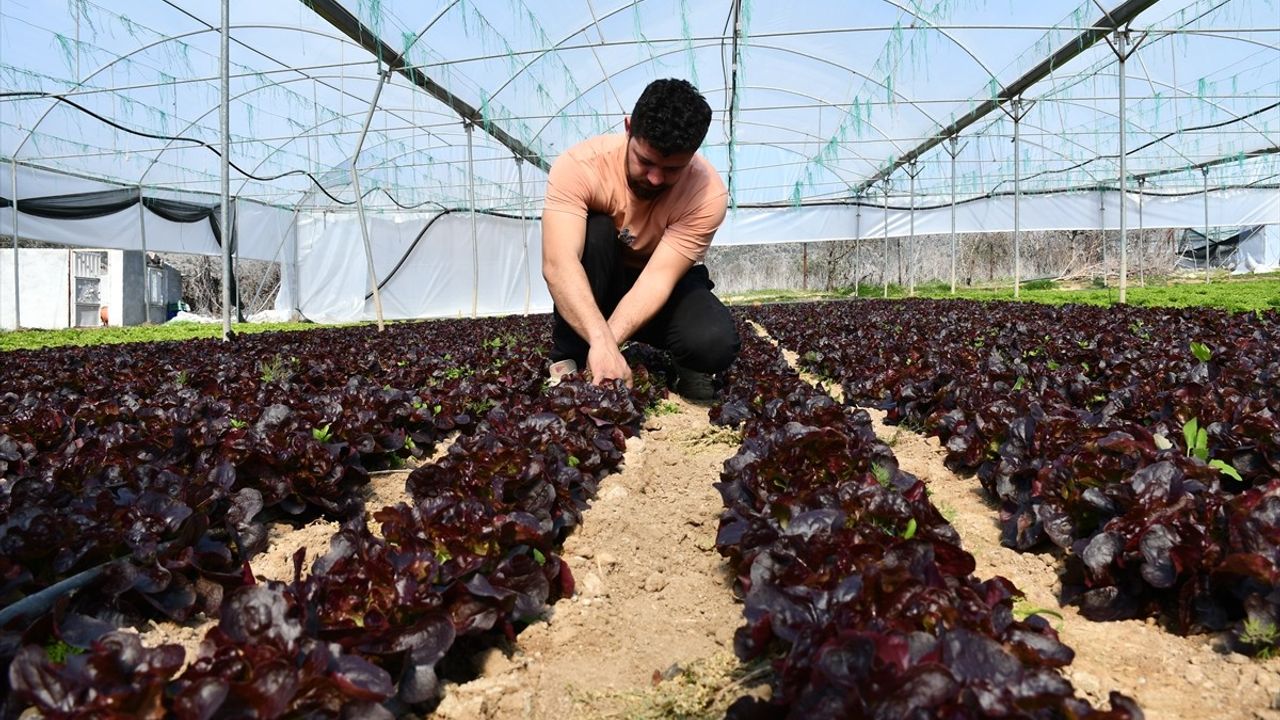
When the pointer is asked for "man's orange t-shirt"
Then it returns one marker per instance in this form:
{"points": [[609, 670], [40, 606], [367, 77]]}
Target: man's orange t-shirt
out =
{"points": [[592, 176]]}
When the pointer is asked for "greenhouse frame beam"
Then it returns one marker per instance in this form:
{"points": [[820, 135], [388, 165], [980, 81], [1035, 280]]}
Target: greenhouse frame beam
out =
{"points": [[224, 163], [857, 247], [355, 183], [1111, 21], [1205, 172], [340, 18], [1261, 152], [884, 247]]}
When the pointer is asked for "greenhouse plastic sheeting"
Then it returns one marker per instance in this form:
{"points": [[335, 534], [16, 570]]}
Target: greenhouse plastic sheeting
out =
{"points": [[1260, 253], [44, 300], [331, 273], [436, 274]]}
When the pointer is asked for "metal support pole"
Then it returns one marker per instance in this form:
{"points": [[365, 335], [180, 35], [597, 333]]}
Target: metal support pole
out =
{"points": [[146, 269], [1017, 199], [471, 200], [953, 152], [1142, 239], [224, 125], [1205, 171], [884, 261], [857, 247], [355, 184], [13, 190], [524, 231], [1102, 230], [1122, 44], [804, 266], [913, 171]]}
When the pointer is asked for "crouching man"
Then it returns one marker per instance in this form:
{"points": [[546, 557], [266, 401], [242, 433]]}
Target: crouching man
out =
{"points": [[627, 221]]}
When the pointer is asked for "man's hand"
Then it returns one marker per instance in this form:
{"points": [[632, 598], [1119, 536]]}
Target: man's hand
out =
{"points": [[605, 362]]}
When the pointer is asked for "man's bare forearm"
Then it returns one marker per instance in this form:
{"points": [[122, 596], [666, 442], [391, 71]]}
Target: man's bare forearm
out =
{"points": [[571, 292], [636, 308], [649, 293]]}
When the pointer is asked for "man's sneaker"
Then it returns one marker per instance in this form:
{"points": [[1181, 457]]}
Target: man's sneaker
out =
{"points": [[561, 368], [694, 385]]}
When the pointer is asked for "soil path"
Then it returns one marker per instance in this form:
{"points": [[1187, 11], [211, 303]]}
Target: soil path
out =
{"points": [[652, 591]]}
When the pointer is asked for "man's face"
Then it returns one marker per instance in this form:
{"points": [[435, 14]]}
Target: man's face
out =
{"points": [[649, 172]]}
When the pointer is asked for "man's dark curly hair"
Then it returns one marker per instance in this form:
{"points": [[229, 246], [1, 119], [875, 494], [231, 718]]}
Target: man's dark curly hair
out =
{"points": [[672, 116]]}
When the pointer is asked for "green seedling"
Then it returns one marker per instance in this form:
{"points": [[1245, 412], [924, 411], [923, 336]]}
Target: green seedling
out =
{"points": [[1201, 351], [239, 424], [321, 434], [1197, 440], [910, 531]]}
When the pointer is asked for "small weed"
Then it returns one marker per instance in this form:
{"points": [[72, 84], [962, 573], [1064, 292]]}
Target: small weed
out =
{"points": [[182, 378], [277, 369], [239, 424], [702, 689], [58, 651], [664, 407], [1022, 609], [881, 474], [499, 342], [948, 513], [479, 407], [1261, 634]]}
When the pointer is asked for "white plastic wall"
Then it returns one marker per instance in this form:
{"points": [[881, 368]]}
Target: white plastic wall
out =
{"points": [[437, 277], [44, 292], [1260, 252]]}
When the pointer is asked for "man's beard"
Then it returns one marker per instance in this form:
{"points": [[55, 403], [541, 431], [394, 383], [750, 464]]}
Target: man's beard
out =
{"points": [[640, 188], [644, 190]]}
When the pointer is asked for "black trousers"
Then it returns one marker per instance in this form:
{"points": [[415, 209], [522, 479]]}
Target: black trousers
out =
{"points": [[694, 326]]}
